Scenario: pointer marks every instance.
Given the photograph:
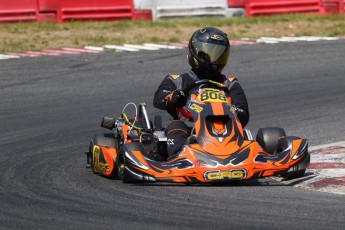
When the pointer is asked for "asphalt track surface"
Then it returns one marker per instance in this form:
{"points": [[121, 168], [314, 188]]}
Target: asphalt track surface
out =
{"points": [[51, 106]]}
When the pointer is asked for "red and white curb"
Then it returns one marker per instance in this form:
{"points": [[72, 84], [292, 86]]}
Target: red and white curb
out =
{"points": [[47, 52], [326, 172], [154, 47], [271, 40]]}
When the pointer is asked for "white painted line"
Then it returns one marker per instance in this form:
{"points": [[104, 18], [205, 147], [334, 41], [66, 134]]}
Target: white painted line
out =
{"points": [[313, 38], [160, 46], [116, 47], [289, 39], [81, 50], [141, 47], [267, 40], [96, 48], [295, 39], [330, 38], [4, 56], [271, 40]]}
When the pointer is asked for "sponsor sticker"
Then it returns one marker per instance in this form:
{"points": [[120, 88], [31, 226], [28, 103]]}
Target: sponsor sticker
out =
{"points": [[97, 165], [196, 108], [225, 175], [217, 37]]}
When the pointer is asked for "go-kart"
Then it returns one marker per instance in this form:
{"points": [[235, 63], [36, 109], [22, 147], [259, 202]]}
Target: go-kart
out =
{"points": [[218, 149]]}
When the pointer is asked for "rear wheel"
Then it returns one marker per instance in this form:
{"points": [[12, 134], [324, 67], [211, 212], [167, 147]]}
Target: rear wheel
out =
{"points": [[106, 140], [268, 138]]}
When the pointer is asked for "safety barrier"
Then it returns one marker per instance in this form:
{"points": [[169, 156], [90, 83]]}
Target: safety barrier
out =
{"points": [[236, 3], [332, 6], [183, 8], [18, 10], [236, 8], [268, 7], [66, 10]]}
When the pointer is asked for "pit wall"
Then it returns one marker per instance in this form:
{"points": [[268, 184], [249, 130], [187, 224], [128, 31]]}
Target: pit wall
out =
{"points": [[112, 10]]}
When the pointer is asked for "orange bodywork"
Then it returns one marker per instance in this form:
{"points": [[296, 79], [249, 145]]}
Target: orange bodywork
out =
{"points": [[221, 153], [197, 170], [103, 160]]}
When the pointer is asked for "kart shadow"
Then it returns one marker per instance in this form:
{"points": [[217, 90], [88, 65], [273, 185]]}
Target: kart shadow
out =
{"points": [[251, 182], [307, 176], [261, 182]]}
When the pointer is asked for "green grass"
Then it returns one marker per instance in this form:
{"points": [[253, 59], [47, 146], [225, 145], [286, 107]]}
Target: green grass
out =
{"points": [[16, 37]]}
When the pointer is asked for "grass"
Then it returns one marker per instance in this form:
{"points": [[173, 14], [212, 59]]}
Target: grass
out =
{"points": [[19, 37]]}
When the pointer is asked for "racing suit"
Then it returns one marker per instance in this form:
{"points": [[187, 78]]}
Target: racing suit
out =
{"points": [[177, 131]]}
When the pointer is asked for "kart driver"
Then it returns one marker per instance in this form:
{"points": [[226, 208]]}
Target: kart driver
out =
{"points": [[208, 53]]}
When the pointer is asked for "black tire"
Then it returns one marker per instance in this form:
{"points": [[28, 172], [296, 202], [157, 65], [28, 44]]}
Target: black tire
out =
{"points": [[120, 167], [268, 138], [107, 140], [158, 123], [284, 143], [122, 171]]}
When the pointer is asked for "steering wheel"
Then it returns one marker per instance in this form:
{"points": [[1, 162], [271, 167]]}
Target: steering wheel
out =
{"points": [[207, 83]]}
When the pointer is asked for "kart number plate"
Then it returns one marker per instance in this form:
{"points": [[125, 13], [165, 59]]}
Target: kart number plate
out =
{"points": [[212, 96]]}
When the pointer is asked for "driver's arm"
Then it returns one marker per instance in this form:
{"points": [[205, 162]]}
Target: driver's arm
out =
{"points": [[170, 94], [239, 99], [165, 89]]}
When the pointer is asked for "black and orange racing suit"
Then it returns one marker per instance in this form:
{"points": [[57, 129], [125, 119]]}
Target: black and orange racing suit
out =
{"points": [[177, 131]]}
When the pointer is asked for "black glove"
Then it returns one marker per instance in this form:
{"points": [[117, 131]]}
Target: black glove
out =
{"points": [[235, 109], [177, 98]]}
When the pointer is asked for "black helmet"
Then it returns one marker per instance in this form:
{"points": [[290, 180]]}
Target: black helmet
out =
{"points": [[208, 51]]}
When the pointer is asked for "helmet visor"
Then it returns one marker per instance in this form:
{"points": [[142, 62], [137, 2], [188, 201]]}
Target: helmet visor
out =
{"points": [[210, 53]]}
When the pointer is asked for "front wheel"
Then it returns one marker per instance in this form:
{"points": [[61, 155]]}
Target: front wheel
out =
{"points": [[298, 170], [123, 170], [268, 138], [120, 167]]}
